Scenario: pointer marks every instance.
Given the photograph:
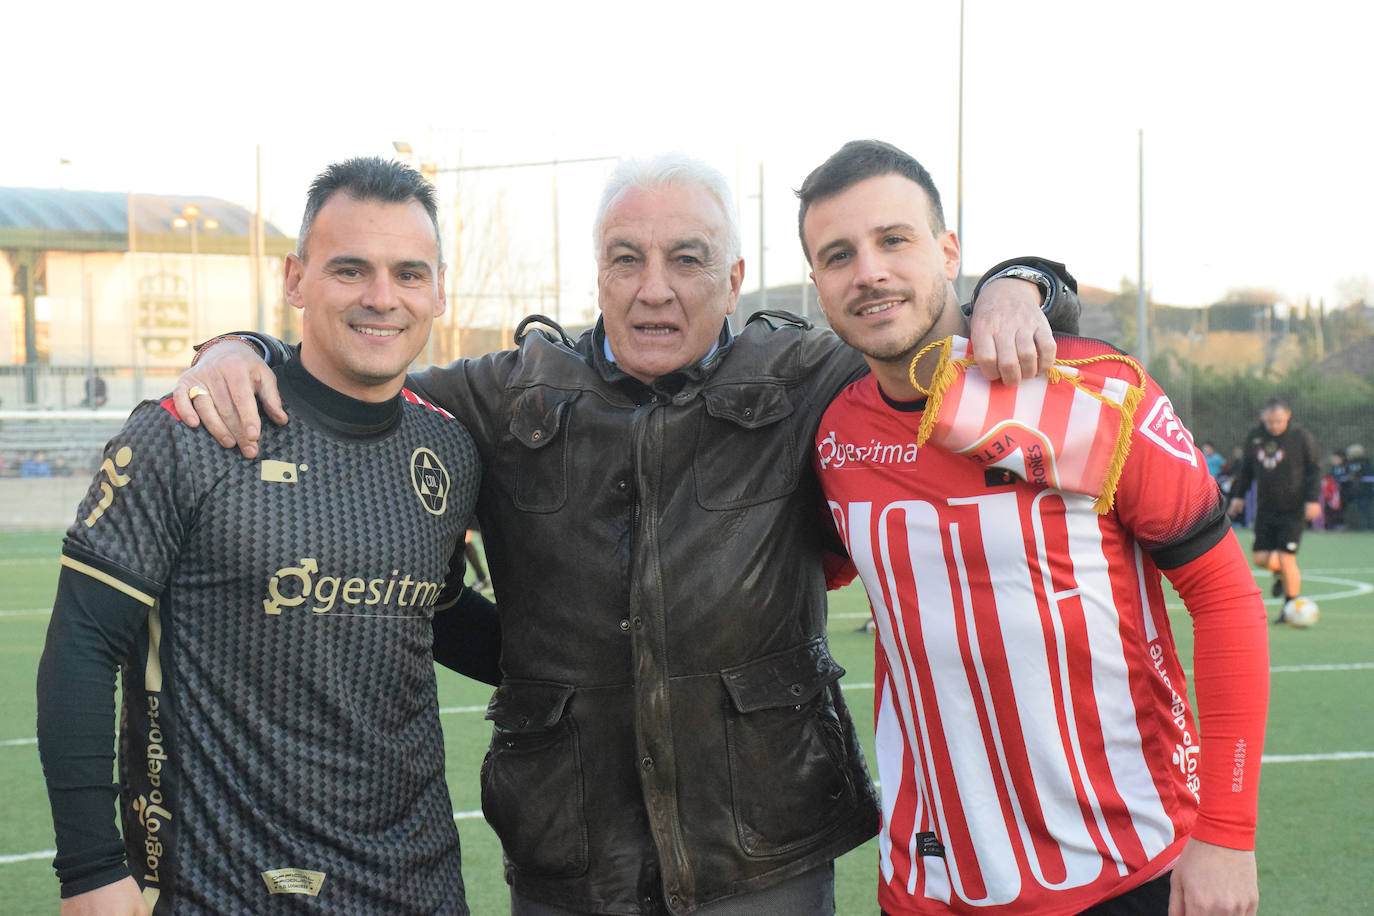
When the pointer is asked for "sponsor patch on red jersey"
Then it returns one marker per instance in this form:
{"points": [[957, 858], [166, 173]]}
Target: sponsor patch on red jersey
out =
{"points": [[1165, 429]]}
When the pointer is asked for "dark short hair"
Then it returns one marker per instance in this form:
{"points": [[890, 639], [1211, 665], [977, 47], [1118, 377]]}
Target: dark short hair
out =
{"points": [[856, 161], [1276, 402], [369, 178]]}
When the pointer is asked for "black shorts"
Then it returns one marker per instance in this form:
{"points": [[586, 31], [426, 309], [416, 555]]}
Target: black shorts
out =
{"points": [[1279, 530], [1149, 899]]}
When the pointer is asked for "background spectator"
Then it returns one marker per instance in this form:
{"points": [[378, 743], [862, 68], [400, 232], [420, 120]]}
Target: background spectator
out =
{"points": [[1357, 489], [1333, 516], [96, 392], [36, 466], [1215, 461]]}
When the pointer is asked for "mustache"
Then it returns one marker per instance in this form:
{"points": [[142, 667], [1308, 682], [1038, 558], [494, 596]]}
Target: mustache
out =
{"points": [[878, 294]]}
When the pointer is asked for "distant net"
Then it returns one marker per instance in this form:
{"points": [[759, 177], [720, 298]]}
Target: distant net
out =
{"points": [[47, 460]]}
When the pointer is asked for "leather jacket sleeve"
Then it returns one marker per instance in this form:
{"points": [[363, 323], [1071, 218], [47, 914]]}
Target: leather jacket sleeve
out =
{"points": [[469, 389]]}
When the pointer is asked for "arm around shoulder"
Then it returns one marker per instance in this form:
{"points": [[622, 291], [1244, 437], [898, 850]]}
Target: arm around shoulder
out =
{"points": [[1010, 324], [226, 381], [1059, 299]]}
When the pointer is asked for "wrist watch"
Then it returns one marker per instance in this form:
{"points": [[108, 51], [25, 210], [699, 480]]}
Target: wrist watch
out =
{"points": [[1038, 277], [201, 348]]}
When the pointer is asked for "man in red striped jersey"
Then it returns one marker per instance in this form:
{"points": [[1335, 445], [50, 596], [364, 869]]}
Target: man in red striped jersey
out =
{"points": [[1035, 744]]}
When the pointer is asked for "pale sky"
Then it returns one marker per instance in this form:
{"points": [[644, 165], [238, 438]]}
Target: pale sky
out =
{"points": [[1255, 115]]}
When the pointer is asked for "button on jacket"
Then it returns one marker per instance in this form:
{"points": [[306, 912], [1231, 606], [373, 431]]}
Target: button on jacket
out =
{"points": [[670, 730]]}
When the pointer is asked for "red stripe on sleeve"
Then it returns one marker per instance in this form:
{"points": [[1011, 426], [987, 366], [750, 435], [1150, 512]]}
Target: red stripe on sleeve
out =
{"points": [[414, 398]]}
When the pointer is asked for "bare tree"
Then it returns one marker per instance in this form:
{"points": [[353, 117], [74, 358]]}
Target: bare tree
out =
{"points": [[1357, 289], [489, 281]]}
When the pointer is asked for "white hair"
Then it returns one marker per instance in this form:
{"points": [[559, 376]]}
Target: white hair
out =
{"points": [[670, 169]]}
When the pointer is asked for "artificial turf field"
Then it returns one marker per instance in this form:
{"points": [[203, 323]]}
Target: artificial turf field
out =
{"points": [[1317, 778]]}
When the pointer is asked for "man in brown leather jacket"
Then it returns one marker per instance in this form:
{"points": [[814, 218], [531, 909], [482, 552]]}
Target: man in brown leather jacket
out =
{"points": [[669, 735]]}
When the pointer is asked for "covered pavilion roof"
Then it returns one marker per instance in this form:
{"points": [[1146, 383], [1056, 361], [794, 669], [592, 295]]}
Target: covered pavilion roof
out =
{"points": [[57, 219]]}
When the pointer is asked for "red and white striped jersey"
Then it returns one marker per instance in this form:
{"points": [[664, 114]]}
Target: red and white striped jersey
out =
{"points": [[1035, 746]]}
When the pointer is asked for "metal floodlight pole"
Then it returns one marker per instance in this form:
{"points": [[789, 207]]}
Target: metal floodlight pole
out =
{"points": [[135, 313], [557, 282], [763, 284], [455, 321], [255, 244], [190, 218], [88, 309], [195, 279], [959, 158], [1141, 299], [28, 260]]}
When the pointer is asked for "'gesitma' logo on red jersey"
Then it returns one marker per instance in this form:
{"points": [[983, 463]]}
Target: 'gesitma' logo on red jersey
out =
{"points": [[836, 454]]}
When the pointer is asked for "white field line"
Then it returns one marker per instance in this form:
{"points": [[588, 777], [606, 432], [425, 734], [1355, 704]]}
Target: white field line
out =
{"points": [[1353, 588], [47, 854], [455, 710], [1311, 758]]}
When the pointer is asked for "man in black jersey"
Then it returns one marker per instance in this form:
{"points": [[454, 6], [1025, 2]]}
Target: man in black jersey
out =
{"points": [[273, 618], [1282, 458]]}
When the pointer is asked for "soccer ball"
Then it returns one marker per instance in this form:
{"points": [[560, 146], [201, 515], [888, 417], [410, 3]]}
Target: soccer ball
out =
{"points": [[1301, 612]]}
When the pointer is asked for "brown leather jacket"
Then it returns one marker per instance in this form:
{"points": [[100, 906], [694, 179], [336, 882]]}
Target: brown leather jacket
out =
{"points": [[670, 729]]}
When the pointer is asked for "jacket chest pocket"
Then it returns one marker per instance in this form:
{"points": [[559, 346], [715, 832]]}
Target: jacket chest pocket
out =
{"points": [[539, 424], [746, 451]]}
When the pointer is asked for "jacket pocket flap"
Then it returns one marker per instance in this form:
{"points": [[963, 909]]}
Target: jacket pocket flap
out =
{"points": [[538, 414], [749, 406], [528, 705], [782, 679]]}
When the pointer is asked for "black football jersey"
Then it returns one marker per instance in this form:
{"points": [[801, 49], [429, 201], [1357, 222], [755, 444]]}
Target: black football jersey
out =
{"points": [[280, 745]]}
